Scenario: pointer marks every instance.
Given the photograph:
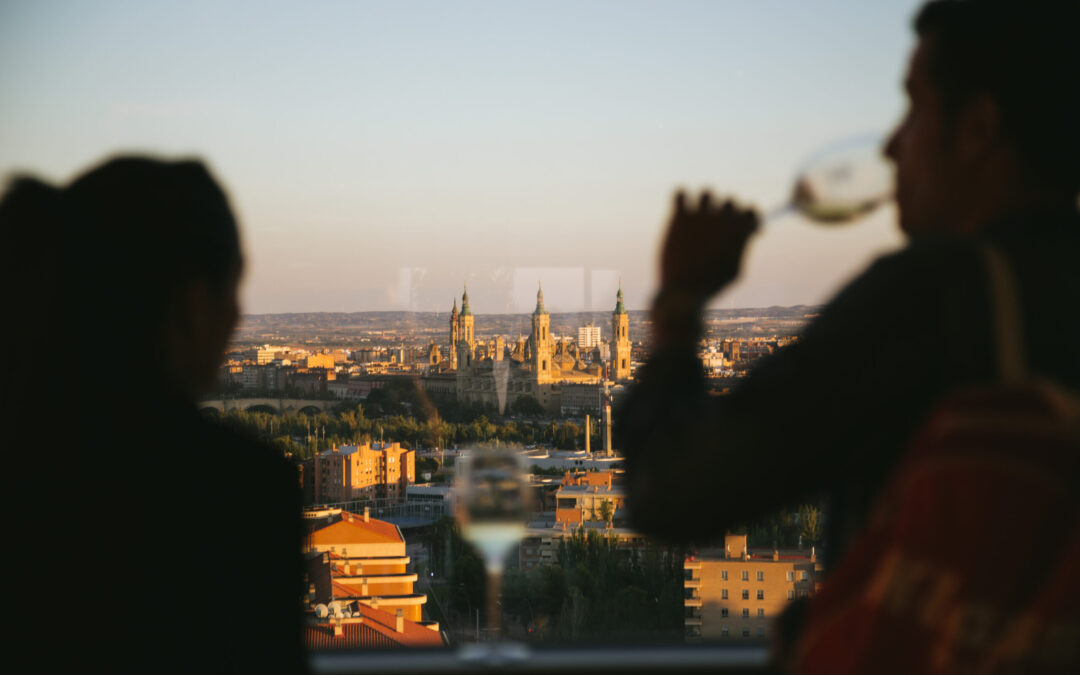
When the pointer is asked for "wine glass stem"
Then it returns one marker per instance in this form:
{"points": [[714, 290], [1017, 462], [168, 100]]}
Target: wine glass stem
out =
{"points": [[494, 617], [778, 211]]}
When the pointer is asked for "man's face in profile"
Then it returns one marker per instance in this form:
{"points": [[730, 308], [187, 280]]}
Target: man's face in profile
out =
{"points": [[926, 169]]}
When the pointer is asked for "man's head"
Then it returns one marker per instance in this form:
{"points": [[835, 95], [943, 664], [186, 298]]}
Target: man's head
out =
{"points": [[155, 257], [991, 127]]}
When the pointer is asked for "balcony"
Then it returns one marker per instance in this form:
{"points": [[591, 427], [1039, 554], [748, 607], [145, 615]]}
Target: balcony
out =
{"points": [[692, 621], [692, 602], [692, 583]]}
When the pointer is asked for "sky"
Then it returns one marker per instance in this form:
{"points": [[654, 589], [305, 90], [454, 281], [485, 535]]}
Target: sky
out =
{"points": [[381, 155]]}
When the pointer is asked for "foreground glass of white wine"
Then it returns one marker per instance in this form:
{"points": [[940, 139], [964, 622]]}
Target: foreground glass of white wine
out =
{"points": [[492, 509], [841, 182]]}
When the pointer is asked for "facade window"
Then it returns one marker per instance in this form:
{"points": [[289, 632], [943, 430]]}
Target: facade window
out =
{"points": [[746, 575], [791, 595], [760, 575], [802, 575], [723, 631], [761, 631], [723, 575], [723, 612], [790, 575], [760, 613], [760, 594], [746, 632], [746, 613], [745, 594], [723, 594]]}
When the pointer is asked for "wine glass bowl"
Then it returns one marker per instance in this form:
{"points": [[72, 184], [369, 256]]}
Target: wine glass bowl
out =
{"points": [[842, 182]]}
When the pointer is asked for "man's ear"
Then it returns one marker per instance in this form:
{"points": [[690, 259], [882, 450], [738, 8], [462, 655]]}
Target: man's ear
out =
{"points": [[979, 132]]}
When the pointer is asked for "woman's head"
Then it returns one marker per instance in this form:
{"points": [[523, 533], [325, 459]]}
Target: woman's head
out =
{"points": [[147, 255]]}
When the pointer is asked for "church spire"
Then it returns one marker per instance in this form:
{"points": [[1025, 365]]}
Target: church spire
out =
{"points": [[620, 308], [465, 302], [540, 309]]}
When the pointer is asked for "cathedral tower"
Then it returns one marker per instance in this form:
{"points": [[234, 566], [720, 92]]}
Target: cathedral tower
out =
{"points": [[466, 339], [541, 341], [454, 335], [620, 341]]}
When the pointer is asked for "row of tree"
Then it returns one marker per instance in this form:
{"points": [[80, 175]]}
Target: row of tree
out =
{"points": [[597, 591], [302, 434]]}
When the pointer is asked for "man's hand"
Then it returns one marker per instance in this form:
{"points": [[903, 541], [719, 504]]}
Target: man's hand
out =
{"points": [[702, 253], [703, 248]]}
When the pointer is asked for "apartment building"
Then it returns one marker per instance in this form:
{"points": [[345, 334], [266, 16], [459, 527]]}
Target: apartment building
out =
{"points": [[357, 568], [368, 471], [733, 594]]}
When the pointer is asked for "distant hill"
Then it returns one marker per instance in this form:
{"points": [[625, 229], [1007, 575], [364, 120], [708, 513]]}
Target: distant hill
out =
{"points": [[420, 327]]}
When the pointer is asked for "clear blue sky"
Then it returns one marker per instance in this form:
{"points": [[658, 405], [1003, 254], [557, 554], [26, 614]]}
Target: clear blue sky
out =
{"points": [[380, 154]]}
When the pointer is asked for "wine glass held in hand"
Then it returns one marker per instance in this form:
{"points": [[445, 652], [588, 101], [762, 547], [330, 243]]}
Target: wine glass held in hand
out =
{"points": [[841, 183], [704, 245]]}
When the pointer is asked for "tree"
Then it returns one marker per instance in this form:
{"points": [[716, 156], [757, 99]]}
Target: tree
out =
{"points": [[607, 510], [810, 523], [527, 405]]}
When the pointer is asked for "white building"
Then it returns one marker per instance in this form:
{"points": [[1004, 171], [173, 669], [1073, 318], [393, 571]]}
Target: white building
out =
{"points": [[588, 336]]}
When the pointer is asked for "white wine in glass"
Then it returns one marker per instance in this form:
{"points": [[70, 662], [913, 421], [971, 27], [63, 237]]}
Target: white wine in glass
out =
{"points": [[492, 509], [841, 182]]}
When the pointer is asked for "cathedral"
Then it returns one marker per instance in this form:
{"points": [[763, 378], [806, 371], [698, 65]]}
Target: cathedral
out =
{"points": [[496, 373]]}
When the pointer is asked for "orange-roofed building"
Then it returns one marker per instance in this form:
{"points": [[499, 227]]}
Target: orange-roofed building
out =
{"points": [[370, 628], [589, 478], [364, 560]]}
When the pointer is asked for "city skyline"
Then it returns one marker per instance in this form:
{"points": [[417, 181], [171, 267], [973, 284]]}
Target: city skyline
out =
{"points": [[379, 155]]}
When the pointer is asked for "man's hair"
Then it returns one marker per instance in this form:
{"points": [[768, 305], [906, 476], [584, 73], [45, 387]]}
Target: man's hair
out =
{"points": [[1026, 56]]}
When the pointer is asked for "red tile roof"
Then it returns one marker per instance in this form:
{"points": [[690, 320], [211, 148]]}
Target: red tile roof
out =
{"points": [[377, 631], [351, 530]]}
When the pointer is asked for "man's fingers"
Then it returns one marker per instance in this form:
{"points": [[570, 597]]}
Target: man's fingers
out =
{"points": [[680, 202]]}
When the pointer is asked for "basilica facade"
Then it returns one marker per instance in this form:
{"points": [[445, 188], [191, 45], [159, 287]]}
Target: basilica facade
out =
{"points": [[498, 373]]}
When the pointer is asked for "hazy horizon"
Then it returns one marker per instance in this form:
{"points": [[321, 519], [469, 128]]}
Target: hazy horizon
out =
{"points": [[381, 155]]}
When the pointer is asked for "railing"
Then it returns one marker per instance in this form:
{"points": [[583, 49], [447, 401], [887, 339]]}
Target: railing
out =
{"points": [[519, 658]]}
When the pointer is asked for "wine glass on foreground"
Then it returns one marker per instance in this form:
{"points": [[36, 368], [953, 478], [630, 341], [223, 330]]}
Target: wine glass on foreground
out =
{"points": [[840, 183], [492, 509]]}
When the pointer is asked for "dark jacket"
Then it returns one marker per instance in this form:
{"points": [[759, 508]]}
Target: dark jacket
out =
{"points": [[829, 415]]}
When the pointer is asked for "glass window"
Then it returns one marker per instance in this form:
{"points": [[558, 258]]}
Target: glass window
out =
{"points": [[761, 613], [310, 229], [746, 632], [746, 613], [724, 612], [761, 594], [723, 631], [791, 594]]}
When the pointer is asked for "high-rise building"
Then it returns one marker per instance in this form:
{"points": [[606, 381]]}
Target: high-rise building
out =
{"points": [[588, 336]]}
